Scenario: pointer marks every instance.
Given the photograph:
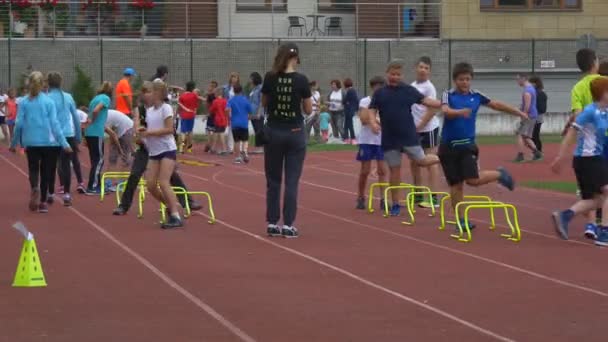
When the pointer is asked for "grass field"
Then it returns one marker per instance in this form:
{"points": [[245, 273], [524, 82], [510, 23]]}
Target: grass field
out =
{"points": [[566, 187]]}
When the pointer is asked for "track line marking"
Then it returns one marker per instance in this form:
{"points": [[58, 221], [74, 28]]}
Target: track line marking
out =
{"points": [[431, 244], [365, 281], [165, 278]]}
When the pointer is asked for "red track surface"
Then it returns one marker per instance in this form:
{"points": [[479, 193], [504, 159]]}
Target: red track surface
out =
{"points": [[351, 276]]}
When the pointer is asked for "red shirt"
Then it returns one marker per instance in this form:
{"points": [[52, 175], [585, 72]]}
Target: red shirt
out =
{"points": [[190, 101], [218, 110], [11, 109]]}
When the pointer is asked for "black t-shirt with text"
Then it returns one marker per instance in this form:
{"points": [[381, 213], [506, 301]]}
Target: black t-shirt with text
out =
{"points": [[285, 92]]}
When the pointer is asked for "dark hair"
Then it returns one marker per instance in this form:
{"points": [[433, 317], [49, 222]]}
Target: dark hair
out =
{"points": [[599, 87], [237, 89], [161, 71], [214, 82], [348, 82], [395, 64], [604, 68], [461, 69], [523, 76], [190, 86], [285, 53], [256, 78], [537, 81], [312, 84], [54, 79], [376, 80], [426, 60], [585, 58], [337, 83]]}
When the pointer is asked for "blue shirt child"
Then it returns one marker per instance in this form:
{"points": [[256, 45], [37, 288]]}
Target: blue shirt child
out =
{"points": [[324, 121], [591, 125], [460, 131], [240, 108], [96, 128]]}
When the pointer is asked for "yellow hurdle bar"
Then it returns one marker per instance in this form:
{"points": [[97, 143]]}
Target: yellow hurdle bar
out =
{"points": [[370, 198], [403, 186], [187, 212], [141, 197], [469, 197], [110, 175], [411, 205], [515, 235]]}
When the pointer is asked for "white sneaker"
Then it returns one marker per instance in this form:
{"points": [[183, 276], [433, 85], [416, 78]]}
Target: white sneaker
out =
{"points": [[289, 232]]}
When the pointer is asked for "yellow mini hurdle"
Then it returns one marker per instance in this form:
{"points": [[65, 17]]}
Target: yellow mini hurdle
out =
{"points": [[411, 208], [141, 196], [110, 175], [481, 202], [187, 212], [421, 189]]}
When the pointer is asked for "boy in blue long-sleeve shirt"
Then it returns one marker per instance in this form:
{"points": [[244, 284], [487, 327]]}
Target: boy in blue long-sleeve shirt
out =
{"points": [[38, 130]]}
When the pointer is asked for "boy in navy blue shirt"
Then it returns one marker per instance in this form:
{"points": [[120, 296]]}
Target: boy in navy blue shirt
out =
{"points": [[457, 151], [393, 102]]}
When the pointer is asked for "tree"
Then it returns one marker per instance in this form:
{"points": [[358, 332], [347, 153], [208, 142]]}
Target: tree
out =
{"points": [[82, 89]]}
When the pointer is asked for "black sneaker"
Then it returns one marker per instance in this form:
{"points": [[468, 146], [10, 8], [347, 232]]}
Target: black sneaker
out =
{"points": [[519, 158], [290, 232], [50, 199], [382, 205], [43, 208], [361, 203], [273, 230], [172, 222], [67, 200], [245, 157], [194, 205], [537, 156], [120, 211]]}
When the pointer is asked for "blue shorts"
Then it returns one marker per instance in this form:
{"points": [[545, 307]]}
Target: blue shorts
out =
{"points": [[165, 155], [10, 122], [370, 152], [186, 125], [605, 151]]}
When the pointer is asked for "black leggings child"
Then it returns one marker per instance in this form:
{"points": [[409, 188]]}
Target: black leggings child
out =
{"points": [[41, 164], [96, 149]]}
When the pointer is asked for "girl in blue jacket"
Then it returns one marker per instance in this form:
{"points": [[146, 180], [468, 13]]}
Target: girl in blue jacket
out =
{"points": [[39, 132], [69, 121]]}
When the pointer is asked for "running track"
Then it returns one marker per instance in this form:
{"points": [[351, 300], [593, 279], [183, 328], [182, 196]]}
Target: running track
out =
{"points": [[351, 276]]}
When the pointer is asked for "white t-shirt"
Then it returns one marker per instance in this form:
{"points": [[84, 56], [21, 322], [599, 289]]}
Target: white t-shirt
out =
{"points": [[155, 118], [418, 111], [82, 116], [335, 101], [316, 101], [118, 122], [367, 136], [3, 99]]}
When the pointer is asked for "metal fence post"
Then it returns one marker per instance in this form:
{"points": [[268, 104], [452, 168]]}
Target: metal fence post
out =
{"points": [[449, 62], [533, 55], [101, 59], [229, 19], [191, 59], [364, 63], [54, 23], [356, 20], [187, 19], [398, 20], [272, 21], [99, 21], [10, 40]]}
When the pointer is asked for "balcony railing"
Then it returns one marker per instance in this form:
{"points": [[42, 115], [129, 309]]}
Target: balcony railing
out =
{"points": [[302, 19]]}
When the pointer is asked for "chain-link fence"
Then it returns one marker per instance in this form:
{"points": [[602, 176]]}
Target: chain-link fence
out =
{"points": [[202, 60]]}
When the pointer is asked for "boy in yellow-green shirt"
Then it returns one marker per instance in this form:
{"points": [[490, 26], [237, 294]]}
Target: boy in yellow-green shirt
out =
{"points": [[588, 63]]}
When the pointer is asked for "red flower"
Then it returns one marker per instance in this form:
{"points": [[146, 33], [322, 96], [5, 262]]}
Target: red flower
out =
{"points": [[142, 4]]}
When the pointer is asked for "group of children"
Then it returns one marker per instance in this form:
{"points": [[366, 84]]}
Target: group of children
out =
{"points": [[400, 119]]}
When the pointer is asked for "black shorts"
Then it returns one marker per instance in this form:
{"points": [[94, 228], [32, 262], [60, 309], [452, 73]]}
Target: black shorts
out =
{"points": [[429, 139], [219, 129], [165, 155], [2, 120], [459, 163], [591, 175], [240, 134]]}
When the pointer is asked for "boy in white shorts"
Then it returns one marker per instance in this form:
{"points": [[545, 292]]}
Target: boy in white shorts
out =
{"points": [[369, 146]]}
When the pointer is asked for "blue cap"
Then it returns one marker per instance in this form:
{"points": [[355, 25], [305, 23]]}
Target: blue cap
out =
{"points": [[129, 72]]}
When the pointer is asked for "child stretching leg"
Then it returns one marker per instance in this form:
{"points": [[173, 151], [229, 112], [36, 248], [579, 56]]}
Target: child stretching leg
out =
{"points": [[162, 150]]}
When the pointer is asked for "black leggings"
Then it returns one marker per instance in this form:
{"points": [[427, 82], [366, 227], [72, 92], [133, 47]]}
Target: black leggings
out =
{"points": [[66, 162], [285, 150], [96, 149], [138, 167], [349, 128], [41, 164], [536, 136]]}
